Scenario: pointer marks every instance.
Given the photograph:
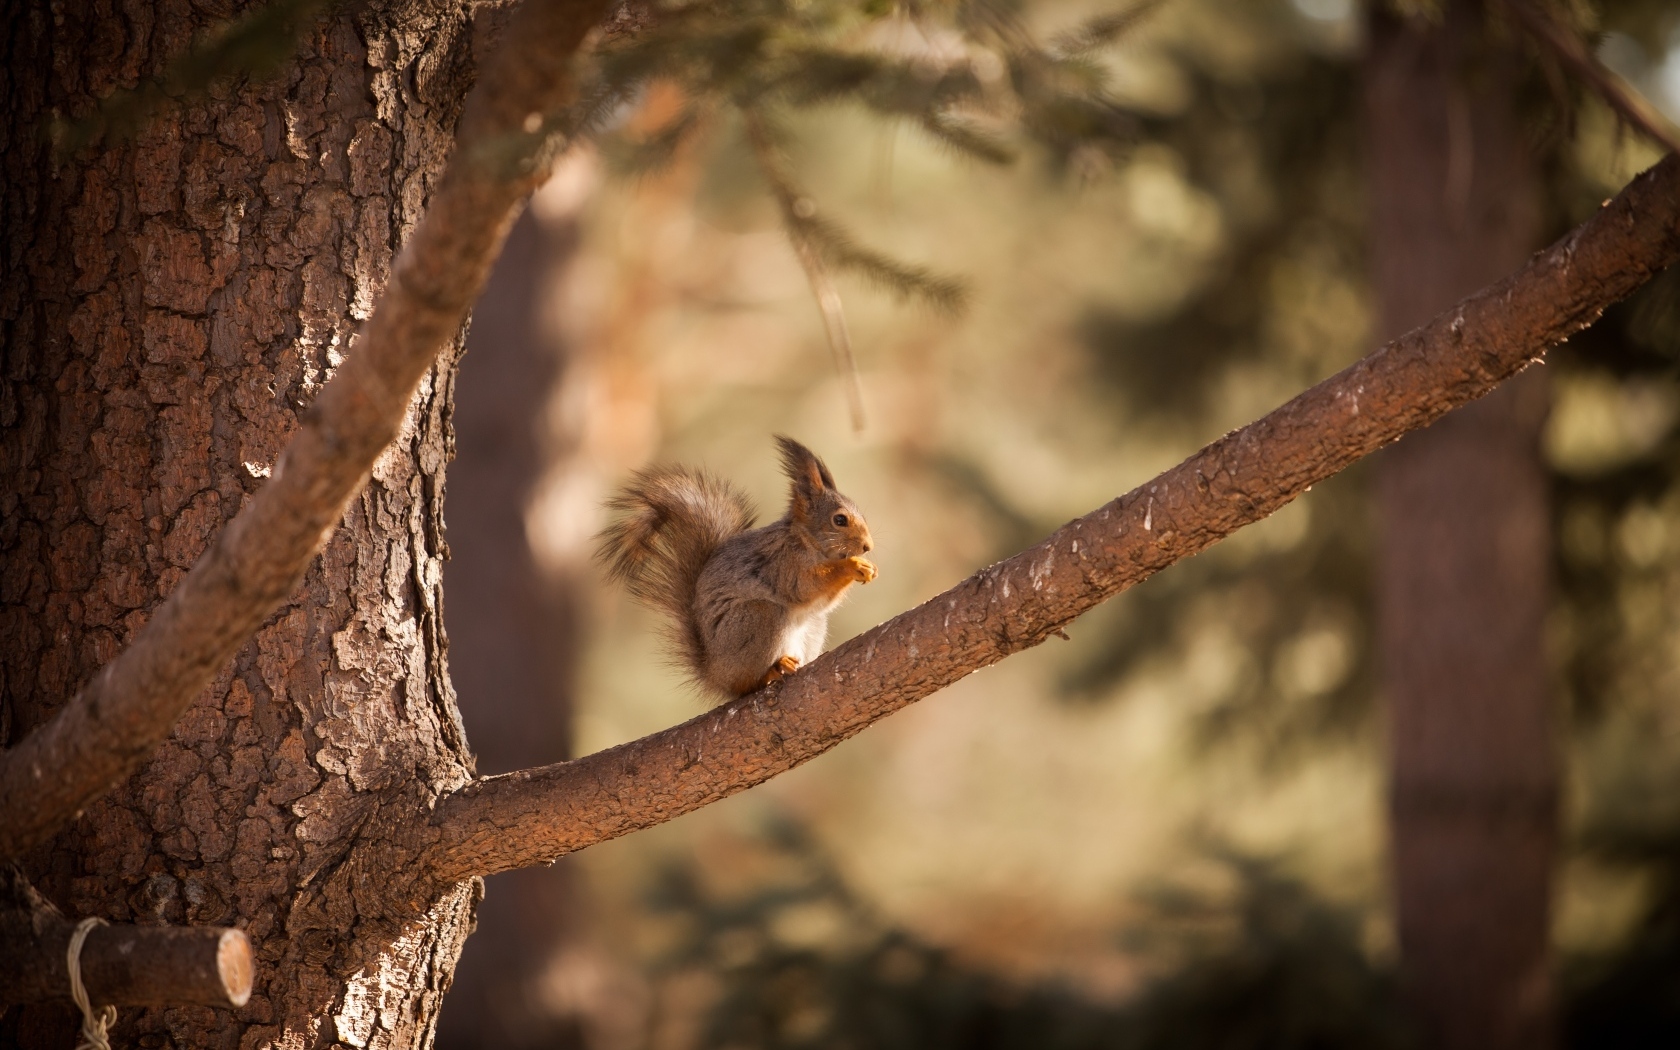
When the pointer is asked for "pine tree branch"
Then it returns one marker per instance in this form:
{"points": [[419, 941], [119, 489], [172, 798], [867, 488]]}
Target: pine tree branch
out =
{"points": [[535, 815], [833, 311], [1572, 53], [1101, 31], [502, 152]]}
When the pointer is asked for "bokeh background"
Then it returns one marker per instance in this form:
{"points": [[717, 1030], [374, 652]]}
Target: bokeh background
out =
{"points": [[1169, 830]]}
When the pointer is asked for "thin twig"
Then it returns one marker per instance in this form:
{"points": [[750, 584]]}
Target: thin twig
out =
{"points": [[793, 205], [1572, 52]]}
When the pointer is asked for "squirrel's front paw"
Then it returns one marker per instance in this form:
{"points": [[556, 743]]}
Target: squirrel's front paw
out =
{"points": [[862, 568]]}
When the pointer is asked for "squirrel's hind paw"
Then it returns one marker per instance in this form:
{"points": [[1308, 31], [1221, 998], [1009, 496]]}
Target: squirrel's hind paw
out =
{"points": [[780, 669]]}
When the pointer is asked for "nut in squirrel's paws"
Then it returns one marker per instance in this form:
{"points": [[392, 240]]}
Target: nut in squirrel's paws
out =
{"points": [[862, 567]]}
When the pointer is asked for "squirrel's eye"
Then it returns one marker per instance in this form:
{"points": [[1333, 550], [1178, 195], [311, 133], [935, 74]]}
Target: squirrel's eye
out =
{"points": [[840, 520]]}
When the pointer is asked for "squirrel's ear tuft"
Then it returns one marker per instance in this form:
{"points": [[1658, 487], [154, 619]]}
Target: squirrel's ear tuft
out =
{"points": [[806, 473]]}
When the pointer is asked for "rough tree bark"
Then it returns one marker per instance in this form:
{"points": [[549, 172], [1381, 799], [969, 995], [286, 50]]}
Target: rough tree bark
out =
{"points": [[170, 307], [1464, 558]]}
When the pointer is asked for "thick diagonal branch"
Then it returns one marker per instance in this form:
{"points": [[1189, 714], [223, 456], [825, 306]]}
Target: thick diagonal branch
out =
{"points": [[118, 718], [535, 815]]}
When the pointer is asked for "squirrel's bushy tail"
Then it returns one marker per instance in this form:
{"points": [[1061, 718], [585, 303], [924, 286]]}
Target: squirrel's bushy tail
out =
{"points": [[670, 521]]}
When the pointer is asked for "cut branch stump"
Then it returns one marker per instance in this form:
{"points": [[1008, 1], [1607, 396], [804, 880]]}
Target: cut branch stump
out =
{"points": [[122, 965]]}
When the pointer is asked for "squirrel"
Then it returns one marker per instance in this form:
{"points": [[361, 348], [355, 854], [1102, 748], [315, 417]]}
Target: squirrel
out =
{"points": [[747, 605]]}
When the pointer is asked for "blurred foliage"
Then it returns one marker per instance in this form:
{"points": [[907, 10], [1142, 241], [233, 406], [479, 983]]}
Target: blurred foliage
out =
{"points": [[1618, 506], [1629, 996], [1614, 450], [804, 964], [1617, 519], [969, 74], [1272, 140], [1276, 148]]}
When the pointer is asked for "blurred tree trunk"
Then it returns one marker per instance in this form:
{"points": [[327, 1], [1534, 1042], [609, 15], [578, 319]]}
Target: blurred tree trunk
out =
{"points": [[1465, 552], [515, 626], [170, 304]]}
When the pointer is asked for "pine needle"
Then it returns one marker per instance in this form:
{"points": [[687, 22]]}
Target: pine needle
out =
{"points": [[1101, 31], [822, 285], [655, 153], [1571, 52]]}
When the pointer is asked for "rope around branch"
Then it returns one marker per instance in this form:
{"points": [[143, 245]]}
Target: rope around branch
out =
{"points": [[94, 1026]]}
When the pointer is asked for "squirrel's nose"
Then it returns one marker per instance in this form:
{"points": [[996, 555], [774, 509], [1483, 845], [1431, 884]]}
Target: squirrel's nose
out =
{"points": [[867, 546]]}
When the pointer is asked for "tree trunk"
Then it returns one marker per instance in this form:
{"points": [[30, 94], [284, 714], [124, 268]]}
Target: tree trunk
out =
{"points": [[170, 305], [1465, 552]]}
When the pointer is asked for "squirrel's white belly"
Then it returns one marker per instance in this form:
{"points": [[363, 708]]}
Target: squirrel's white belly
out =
{"points": [[805, 633]]}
